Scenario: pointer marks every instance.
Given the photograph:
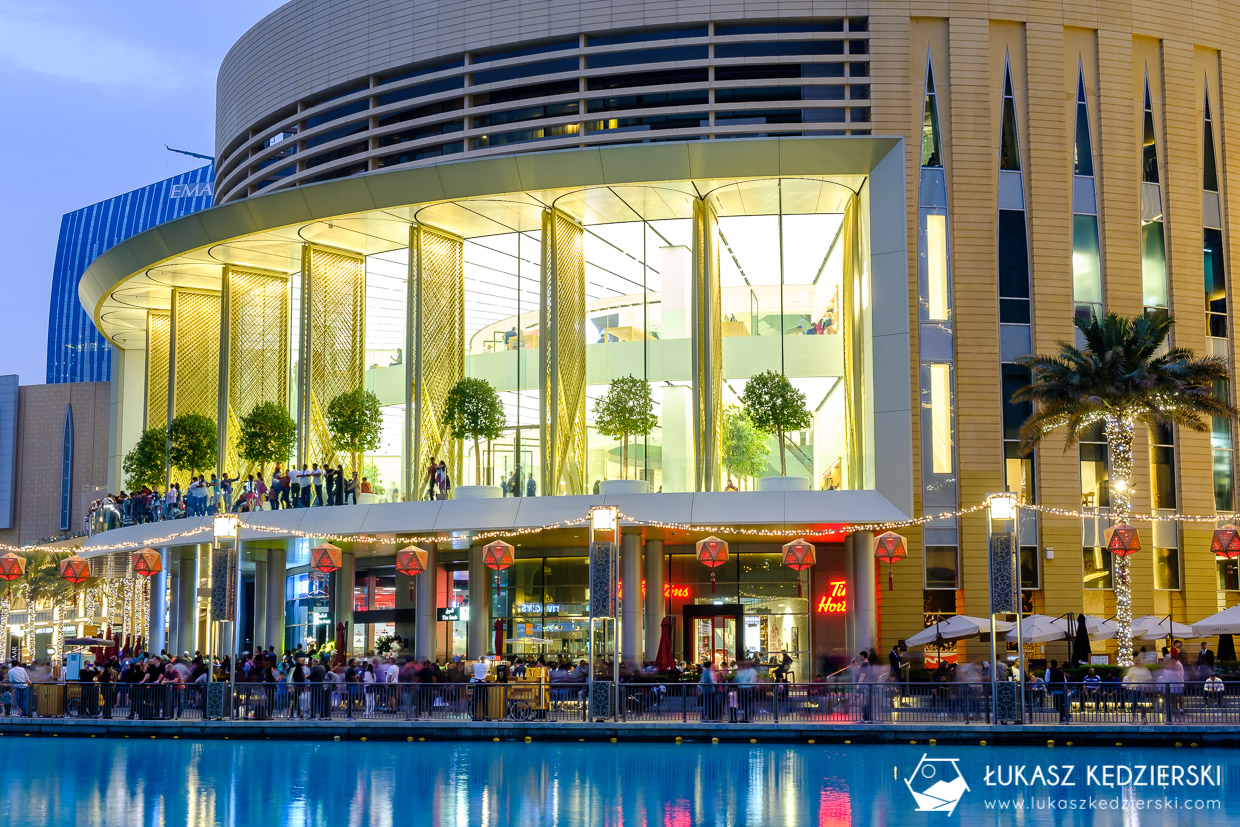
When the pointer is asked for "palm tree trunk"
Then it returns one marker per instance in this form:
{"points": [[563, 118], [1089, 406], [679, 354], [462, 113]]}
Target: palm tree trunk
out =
{"points": [[1119, 433], [783, 463]]}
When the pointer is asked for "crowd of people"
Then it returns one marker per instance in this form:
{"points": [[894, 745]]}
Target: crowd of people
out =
{"points": [[291, 487]]}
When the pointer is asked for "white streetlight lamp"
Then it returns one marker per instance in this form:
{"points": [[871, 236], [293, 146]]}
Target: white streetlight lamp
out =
{"points": [[1003, 511], [227, 528]]}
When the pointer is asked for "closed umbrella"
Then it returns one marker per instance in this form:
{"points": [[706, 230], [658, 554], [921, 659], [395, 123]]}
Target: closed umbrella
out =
{"points": [[1226, 649], [499, 638], [957, 627], [1080, 646], [1226, 622], [664, 660]]}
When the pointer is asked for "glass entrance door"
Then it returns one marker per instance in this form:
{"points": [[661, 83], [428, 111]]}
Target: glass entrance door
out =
{"points": [[714, 639]]}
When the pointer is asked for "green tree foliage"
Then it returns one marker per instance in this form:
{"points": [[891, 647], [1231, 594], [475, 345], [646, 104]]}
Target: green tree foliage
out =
{"points": [[744, 446], [144, 464], [1124, 376], [775, 407], [192, 443], [355, 423], [370, 472], [626, 410], [474, 411], [267, 434]]}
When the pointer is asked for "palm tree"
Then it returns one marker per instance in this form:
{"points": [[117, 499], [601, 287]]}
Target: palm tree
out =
{"points": [[1125, 375], [41, 583]]}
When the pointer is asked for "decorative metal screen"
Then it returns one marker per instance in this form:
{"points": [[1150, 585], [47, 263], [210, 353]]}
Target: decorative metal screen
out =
{"points": [[258, 338], [562, 354], [158, 348], [223, 583], [196, 348], [335, 341], [1002, 575], [438, 344], [707, 343]]}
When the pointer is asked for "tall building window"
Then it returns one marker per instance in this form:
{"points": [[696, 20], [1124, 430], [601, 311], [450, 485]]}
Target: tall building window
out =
{"points": [[1097, 567], [942, 567], [1215, 283], [938, 290], [1086, 254], [1082, 146], [1209, 161], [931, 144], [66, 471], [1095, 471], [1167, 569], [1017, 468], [1222, 455], [1153, 244], [1162, 466], [1009, 149], [942, 446]]}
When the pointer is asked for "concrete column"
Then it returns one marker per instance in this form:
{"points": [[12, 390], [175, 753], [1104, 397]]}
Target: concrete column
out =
{"points": [[655, 580], [343, 601], [157, 625], [273, 622], [424, 583], [480, 582], [859, 550], [187, 601], [631, 600], [260, 601]]}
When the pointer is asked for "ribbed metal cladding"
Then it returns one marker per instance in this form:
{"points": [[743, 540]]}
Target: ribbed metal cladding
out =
{"points": [[707, 349]]}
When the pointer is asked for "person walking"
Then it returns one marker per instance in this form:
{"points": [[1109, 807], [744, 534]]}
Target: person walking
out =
{"points": [[431, 471], [708, 686], [1057, 683], [19, 680]]}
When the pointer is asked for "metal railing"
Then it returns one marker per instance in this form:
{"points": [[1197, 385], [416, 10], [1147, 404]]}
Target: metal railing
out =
{"points": [[1193, 703]]}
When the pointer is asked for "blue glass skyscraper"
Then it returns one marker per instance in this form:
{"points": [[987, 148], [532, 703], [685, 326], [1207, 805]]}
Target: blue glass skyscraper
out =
{"points": [[76, 351]]}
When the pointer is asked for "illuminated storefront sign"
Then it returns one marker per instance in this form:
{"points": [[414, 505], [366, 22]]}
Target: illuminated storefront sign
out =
{"points": [[669, 590], [835, 601]]}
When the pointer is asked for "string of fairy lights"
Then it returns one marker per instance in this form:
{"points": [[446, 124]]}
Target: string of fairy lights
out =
{"points": [[200, 533]]}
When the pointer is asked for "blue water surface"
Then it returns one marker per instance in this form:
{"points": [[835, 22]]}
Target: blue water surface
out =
{"points": [[383, 784]]}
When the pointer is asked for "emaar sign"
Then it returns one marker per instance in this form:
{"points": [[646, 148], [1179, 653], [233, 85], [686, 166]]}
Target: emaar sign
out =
{"points": [[193, 190]]}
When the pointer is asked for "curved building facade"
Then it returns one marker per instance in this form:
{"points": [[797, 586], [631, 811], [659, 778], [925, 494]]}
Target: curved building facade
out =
{"points": [[411, 193]]}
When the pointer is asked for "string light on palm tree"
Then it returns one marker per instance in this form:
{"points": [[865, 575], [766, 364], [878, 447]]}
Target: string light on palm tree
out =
{"points": [[12, 567], [1125, 375]]}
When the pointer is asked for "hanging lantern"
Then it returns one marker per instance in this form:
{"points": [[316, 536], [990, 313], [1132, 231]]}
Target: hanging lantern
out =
{"points": [[1123, 540], [325, 558], [75, 569], [147, 562], [411, 561], [497, 556], [1225, 545], [890, 548], [712, 552], [798, 556], [12, 566]]}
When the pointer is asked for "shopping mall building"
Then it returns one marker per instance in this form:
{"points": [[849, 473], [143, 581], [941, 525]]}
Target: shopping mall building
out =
{"points": [[890, 204]]}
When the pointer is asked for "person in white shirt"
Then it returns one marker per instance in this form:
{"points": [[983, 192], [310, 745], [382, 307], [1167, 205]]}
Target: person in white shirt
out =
{"points": [[19, 678]]}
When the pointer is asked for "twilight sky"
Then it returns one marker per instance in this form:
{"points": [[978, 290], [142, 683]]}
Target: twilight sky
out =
{"points": [[91, 91]]}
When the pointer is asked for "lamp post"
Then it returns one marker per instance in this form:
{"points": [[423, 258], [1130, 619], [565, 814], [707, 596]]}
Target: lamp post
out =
{"points": [[604, 607], [1003, 533], [224, 595]]}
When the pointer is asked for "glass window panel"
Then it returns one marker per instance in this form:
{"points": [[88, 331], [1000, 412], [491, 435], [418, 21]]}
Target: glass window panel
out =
{"points": [[1097, 563], [941, 453], [1222, 456], [1228, 575], [931, 152], [1086, 261], [1018, 474], [1030, 568], [1009, 148], [1095, 492], [942, 567], [1167, 569], [1083, 159], [1209, 176], [1153, 265], [1149, 149], [1215, 282], [1013, 255], [1162, 466], [938, 296]]}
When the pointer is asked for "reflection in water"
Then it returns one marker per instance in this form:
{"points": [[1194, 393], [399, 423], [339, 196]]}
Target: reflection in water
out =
{"points": [[271, 783]]}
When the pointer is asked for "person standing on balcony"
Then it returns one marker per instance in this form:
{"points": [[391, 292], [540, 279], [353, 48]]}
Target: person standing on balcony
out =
{"points": [[316, 474], [431, 471], [330, 474], [340, 484], [305, 479]]}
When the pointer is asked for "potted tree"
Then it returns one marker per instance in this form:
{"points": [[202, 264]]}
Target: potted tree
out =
{"points": [[147, 462], [744, 446], [1122, 377], [775, 407], [473, 411], [266, 435], [192, 443], [355, 423], [626, 410]]}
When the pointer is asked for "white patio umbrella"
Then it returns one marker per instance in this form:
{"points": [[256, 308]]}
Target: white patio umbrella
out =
{"points": [[958, 627], [1045, 629], [1152, 627], [1226, 622]]}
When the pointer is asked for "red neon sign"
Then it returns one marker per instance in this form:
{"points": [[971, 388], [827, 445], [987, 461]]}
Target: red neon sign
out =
{"points": [[835, 601], [669, 590]]}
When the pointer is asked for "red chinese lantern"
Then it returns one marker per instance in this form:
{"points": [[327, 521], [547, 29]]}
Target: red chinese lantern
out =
{"points": [[497, 556], [1123, 540], [798, 556], [713, 553], [890, 548], [147, 562], [411, 561], [75, 569], [325, 558], [1225, 544], [12, 566]]}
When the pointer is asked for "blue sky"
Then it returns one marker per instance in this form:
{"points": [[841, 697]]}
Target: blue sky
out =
{"points": [[91, 91]]}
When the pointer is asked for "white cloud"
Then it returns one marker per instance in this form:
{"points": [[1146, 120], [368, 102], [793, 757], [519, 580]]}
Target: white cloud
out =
{"points": [[52, 41]]}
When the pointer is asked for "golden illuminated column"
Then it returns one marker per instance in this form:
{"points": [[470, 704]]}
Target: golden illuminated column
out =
{"points": [[158, 364], [707, 348], [854, 349], [254, 352], [436, 344], [562, 354], [333, 341]]}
